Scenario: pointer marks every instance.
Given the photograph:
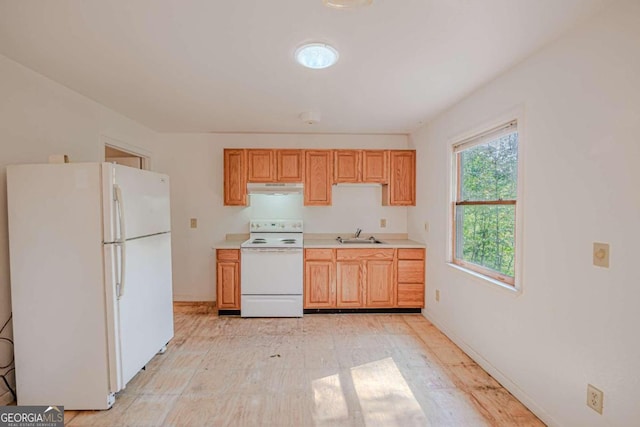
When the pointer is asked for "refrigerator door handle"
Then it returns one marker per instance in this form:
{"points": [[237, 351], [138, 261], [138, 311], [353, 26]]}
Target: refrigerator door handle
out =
{"points": [[121, 268], [121, 240]]}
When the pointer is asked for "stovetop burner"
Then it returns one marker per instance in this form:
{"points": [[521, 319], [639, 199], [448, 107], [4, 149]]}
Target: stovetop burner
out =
{"points": [[275, 233]]}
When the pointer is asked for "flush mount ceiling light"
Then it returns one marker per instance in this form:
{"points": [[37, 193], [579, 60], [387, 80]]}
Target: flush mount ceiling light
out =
{"points": [[310, 117], [316, 55], [346, 4]]}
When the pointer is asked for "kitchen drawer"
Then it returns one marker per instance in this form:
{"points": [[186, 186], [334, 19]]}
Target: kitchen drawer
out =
{"points": [[410, 271], [318, 254], [411, 253], [357, 254], [228, 254], [410, 295]]}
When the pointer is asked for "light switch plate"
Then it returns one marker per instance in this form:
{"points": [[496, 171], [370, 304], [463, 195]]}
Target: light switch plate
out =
{"points": [[601, 255]]}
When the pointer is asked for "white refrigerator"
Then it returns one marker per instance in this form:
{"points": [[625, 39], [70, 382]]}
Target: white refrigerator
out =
{"points": [[91, 287]]}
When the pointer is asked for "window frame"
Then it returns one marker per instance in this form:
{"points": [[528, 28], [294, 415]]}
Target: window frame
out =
{"points": [[481, 136]]}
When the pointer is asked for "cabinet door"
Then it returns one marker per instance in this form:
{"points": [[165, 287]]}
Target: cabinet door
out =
{"points": [[262, 165], [317, 178], [235, 175], [375, 166], [401, 190], [349, 284], [290, 165], [380, 289], [319, 284], [346, 166], [228, 292]]}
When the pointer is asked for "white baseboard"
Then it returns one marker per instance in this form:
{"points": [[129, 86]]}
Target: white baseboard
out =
{"points": [[6, 398], [495, 373]]}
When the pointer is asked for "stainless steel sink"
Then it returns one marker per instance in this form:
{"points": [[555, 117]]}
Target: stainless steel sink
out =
{"points": [[359, 240]]}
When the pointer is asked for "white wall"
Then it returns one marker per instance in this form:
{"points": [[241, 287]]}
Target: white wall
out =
{"points": [[573, 323], [39, 117], [195, 164]]}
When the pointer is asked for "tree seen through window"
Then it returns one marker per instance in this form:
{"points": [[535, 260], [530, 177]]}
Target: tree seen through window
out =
{"points": [[485, 205]]}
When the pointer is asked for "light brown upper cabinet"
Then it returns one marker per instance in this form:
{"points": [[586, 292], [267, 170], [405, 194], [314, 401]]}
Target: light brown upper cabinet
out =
{"points": [[317, 177], [375, 166], [275, 165], [346, 166], [318, 170], [290, 165], [235, 177], [261, 165], [366, 166], [401, 190]]}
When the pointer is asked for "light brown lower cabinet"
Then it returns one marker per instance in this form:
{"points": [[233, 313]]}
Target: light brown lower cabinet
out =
{"points": [[411, 265], [380, 284], [228, 279], [367, 278], [364, 278], [349, 284], [319, 278]]}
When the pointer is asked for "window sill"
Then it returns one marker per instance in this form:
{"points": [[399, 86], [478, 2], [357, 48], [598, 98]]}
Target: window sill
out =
{"points": [[493, 283]]}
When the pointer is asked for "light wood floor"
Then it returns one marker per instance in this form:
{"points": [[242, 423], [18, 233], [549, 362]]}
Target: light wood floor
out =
{"points": [[321, 370]]}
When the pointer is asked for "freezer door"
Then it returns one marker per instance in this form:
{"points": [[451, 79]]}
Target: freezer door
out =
{"points": [[144, 306], [143, 206]]}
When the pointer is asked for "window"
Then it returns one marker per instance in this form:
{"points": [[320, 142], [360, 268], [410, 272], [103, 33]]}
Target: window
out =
{"points": [[485, 200]]}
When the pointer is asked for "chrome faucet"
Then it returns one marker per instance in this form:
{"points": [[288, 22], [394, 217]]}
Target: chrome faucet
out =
{"points": [[358, 231]]}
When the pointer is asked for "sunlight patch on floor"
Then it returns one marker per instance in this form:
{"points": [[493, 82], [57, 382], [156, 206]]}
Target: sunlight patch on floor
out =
{"points": [[330, 403], [385, 397]]}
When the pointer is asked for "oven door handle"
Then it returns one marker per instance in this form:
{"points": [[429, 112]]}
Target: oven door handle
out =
{"points": [[282, 250]]}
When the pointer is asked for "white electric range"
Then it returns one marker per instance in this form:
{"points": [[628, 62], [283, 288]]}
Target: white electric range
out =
{"points": [[271, 276]]}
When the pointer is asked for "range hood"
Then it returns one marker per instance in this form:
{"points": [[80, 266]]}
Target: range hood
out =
{"points": [[274, 188]]}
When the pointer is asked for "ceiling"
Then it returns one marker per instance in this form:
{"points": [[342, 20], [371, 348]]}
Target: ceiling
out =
{"points": [[227, 66]]}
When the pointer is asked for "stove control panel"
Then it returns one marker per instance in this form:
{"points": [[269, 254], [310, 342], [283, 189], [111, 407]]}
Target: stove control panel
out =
{"points": [[276, 226]]}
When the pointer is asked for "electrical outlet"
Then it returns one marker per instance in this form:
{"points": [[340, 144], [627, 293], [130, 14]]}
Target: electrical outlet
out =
{"points": [[595, 398], [194, 222], [437, 295], [383, 223], [601, 254]]}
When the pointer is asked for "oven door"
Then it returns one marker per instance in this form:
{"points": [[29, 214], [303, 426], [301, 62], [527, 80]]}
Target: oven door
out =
{"points": [[271, 271]]}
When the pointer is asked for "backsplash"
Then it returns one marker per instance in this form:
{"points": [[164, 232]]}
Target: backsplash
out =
{"points": [[354, 206]]}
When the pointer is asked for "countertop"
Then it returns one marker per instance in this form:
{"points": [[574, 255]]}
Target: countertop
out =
{"points": [[388, 243], [228, 244], [332, 243]]}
